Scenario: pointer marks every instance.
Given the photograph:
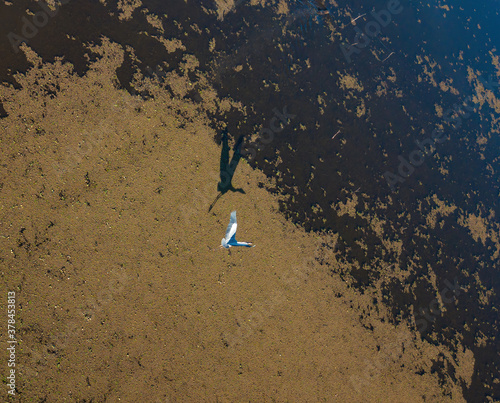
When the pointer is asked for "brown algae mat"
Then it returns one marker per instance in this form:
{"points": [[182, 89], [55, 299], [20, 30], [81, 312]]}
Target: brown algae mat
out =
{"points": [[107, 242]]}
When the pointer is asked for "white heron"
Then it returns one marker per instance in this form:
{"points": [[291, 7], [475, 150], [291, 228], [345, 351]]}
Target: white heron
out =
{"points": [[230, 238]]}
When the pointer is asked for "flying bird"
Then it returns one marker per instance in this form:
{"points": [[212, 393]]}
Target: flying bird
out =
{"points": [[230, 238]]}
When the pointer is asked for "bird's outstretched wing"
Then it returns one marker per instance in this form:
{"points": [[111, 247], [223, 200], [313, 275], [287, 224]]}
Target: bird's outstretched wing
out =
{"points": [[231, 228]]}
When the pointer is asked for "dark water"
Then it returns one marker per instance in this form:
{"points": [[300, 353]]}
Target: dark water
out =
{"points": [[255, 36]]}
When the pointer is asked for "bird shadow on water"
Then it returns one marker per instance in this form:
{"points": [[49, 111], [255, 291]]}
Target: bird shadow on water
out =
{"points": [[227, 168]]}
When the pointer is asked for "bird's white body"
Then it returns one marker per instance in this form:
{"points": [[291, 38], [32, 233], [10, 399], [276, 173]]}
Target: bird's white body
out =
{"points": [[230, 238]]}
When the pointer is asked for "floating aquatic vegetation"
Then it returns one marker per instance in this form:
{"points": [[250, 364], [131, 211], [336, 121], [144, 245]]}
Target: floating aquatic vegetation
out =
{"points": [[308, 22]]}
